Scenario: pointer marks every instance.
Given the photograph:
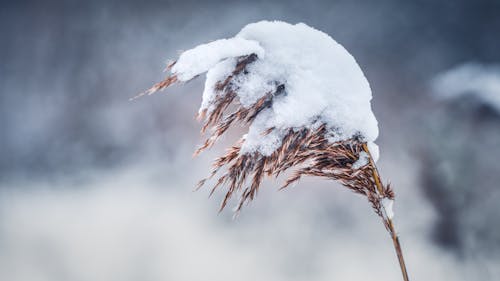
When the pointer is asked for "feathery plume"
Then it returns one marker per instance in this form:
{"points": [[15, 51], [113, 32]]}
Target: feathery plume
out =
{"points": [[320, 147]]}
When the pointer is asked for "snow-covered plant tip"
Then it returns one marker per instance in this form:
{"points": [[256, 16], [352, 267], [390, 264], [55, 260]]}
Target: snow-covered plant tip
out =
{"points": [[307, 106]]}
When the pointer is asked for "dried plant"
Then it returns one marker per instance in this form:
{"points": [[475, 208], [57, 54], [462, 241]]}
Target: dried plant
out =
{"points": [[306, 150]]}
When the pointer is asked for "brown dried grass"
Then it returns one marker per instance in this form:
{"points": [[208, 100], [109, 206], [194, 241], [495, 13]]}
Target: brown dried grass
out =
{"points": [[305, 150]]}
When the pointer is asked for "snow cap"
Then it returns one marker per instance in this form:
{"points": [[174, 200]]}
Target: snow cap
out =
{"points": [[323, 84]]}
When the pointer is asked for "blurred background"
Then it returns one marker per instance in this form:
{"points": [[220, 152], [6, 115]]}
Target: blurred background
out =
{"points": [[94, 187]]}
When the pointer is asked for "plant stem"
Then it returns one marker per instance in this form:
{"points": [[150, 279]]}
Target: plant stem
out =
{"points": [[387, 221], [397, 247]]}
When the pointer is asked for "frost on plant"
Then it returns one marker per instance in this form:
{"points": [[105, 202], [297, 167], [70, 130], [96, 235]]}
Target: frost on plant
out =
{"points": [[304, 98], [307, 106]]}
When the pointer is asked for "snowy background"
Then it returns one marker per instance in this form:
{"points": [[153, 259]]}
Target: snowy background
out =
{"points": [[94, 187]]}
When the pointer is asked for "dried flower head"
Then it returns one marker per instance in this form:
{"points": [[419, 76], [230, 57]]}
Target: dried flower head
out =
{"points": [[308, 150], [258, 79]]}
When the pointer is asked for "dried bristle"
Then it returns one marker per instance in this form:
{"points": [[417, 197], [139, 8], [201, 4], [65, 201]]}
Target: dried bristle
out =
{"points": [[306, 150], [169, 80]]}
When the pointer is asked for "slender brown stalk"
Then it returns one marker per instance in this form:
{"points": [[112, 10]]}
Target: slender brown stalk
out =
{"points": [[388, 221], [399, 251]]}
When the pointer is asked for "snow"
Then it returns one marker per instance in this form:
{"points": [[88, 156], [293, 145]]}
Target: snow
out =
{"points": [[374, 151], [323, 82], [200, 59], [217, 73], [362, 160], [482, 81], [387, 204]]}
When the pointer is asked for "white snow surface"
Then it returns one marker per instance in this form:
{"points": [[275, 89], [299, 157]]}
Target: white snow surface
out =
{"points": [[196, 61], [362, 160], [323, 82], [374, 151], [480, 80], [388, 204]]}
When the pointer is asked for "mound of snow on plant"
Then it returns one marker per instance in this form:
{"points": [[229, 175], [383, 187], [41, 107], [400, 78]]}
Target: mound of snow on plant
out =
{"points": [[322, 82]]}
